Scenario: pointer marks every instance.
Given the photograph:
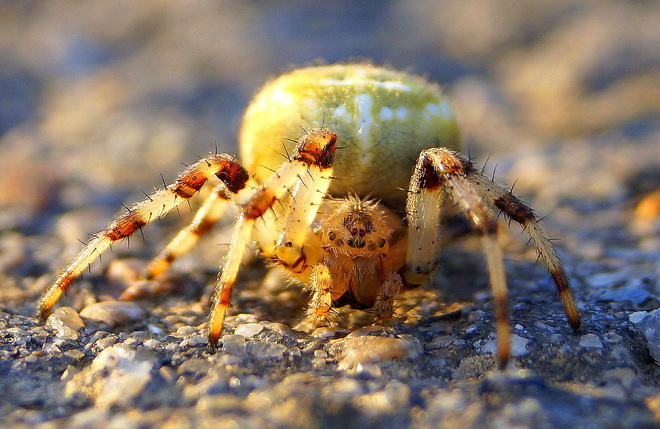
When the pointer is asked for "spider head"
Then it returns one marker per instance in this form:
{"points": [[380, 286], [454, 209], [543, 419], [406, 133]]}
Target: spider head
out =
{"points": [[355, 227]]}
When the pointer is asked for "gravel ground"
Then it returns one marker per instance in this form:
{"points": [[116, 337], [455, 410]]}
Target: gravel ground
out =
{"points": [[98, 99]]}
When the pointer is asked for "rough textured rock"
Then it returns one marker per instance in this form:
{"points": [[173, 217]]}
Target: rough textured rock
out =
{"points": [[98, 99]]}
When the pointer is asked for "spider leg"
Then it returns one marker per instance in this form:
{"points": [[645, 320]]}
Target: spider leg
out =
{"points": [[205, 218], [519, 211], [440, 176], [311, 164], [140, 214], [384, 307], [321, 303]]}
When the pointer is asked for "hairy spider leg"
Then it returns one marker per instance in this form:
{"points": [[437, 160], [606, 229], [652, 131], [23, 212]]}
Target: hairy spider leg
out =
{"points": [[230, 172], [312, 164], [517, 210], [205, 218], [477, 196], [438, 179]]}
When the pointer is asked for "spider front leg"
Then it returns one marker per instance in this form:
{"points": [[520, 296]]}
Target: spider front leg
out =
{"points": [[441, 175], [224, 166], [305, 179], [439, 178]]}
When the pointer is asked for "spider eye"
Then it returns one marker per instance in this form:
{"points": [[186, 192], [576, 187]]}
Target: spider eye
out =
{"points": [[381, 243], [331, 236]]}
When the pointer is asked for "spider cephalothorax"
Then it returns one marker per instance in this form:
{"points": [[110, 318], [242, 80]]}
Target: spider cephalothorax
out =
{"points": [[396, 131]]}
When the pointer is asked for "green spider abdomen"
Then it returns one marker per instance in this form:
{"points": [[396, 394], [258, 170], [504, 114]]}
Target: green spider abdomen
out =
{"points": [[383, 119]]}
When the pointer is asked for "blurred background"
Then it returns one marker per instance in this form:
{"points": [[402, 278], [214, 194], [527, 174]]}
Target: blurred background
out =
{"points": [[97, 99]]}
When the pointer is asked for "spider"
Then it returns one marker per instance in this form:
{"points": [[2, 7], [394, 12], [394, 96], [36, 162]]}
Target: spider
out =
{"points": [[366, 131]]}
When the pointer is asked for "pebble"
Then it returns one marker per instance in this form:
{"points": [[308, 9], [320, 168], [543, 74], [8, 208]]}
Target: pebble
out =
{"points": [[369, 349], [266, 351], [612, 337], [249, 330], [107, 341], [194, 366], [74, 354], [637, 316], [603, 280], [116, 376], [234, 344], [444, 341], [518, 346], [113, 313], [649, 325], [394, 396], [626, 376], [185, 330], [193, 341], [152, 343], [637, 296], [323, 332], [66, 322], [591, 341]]}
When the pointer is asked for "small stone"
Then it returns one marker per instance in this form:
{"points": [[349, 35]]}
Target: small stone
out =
{"points": [[476, 315], [194, 366], [591, 340], [369, 349], [637, 316], [245, 318], [393, 397], [445, 341], [234, 344], [263, 351], [18, 332], [281, 329], [115, 377], [152, 343], [626, 376], [193, 341], [323, 332], [649, 325], [66, 322], [154, 329], [635, 295], [113, 313], [518, 345], [249, 330], [185, 330], [607, 280], [74, 354], [106, 342], [228, 359], [612, 337], [91, 417]]}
